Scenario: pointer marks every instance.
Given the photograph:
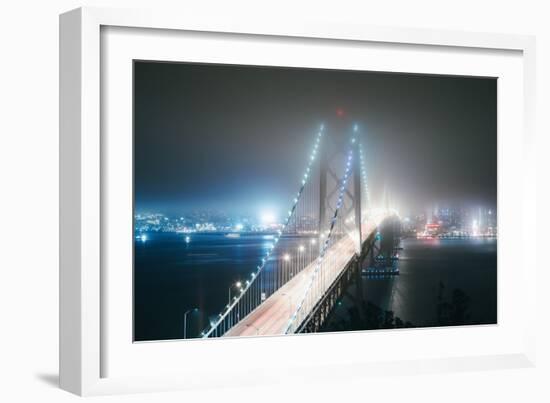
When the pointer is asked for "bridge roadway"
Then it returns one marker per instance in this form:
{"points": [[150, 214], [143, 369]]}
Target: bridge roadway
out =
{"points": [[272, 316]]}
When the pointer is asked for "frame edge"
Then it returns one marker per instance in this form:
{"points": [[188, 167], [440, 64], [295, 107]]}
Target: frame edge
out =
{"points": [[70, 120]]}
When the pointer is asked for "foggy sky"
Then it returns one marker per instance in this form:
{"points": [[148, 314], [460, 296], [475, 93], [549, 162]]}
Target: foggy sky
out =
{"points": [[236, 138]]}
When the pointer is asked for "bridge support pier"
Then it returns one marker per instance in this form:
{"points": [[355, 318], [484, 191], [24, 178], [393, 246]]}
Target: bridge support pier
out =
{"points": [[323, 309]]}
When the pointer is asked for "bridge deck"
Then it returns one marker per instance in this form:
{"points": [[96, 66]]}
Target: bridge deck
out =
{"points": [[271, 317]]}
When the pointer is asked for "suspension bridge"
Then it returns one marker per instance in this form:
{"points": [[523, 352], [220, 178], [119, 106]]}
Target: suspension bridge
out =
{"points": [[330, 229]]}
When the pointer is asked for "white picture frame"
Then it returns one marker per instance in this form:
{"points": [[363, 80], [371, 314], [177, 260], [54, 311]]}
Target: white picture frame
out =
{"points": [[83, 309]]}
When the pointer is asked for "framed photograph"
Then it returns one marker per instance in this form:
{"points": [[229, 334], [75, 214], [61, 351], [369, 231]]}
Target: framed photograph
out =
{"points": [[289, 196]]}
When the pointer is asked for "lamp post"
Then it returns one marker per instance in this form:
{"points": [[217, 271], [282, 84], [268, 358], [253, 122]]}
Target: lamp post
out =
{"points": [[286, 269], [301, 259], [185, 320], [238, 284]]}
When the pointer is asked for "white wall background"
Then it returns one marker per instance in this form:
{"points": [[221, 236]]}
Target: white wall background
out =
{"points": [[29, 197]]}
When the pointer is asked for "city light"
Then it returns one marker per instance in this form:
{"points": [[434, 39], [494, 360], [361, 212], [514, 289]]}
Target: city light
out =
{"points": [[267, 218], [475, 228], [301, 248], [286, 257]]}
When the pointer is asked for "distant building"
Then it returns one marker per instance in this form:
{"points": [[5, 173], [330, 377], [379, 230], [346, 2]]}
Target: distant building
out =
{"points": [[432, 229]]}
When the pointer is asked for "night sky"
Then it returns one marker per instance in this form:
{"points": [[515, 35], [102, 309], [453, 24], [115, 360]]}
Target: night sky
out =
{"points": [[236, 138]]}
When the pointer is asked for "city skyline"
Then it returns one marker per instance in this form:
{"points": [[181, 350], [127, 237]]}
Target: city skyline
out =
{"points": [[481, 219]]}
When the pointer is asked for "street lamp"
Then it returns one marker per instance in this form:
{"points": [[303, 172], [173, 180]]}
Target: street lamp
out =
{"points": [[185, 320], [238, 284]]}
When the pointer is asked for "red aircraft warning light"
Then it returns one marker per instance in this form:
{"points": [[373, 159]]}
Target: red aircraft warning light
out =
{"points": [[339, 112]]}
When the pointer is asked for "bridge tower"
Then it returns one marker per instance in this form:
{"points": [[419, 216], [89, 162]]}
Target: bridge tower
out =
{"points": [[331, 169]]}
